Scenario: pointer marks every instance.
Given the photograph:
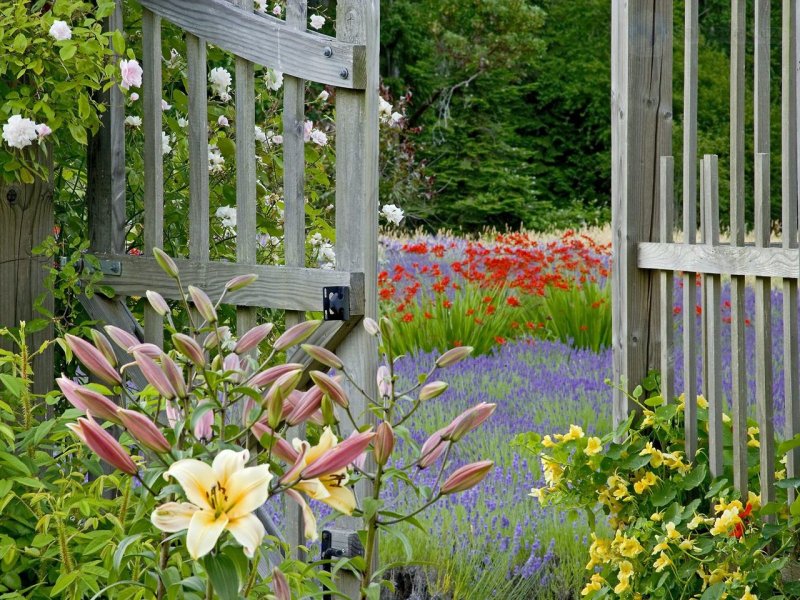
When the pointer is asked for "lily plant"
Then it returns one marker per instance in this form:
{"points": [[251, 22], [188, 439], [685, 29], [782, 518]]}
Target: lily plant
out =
{"points": [[205, 435]]}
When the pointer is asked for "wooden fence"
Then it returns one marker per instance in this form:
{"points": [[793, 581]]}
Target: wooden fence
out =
{"points": [[350, 63], [645, 255]]}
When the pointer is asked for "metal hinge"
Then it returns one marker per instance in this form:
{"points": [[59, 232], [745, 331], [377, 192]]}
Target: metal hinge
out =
{"points": [[336, 303]]}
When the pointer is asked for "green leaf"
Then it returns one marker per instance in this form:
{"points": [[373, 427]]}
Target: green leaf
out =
{"points": [[790, 444], [63, 582], [792, 482], [119, 553], [14, 463], [713, 592], [13, 384], [227, 148], [83, 107], [118, 42], [67, 51], [716, 487], [223, 576], [78, 133], [20, 43], [663, 493], [199, 411], [794, 509], [695, 477]]}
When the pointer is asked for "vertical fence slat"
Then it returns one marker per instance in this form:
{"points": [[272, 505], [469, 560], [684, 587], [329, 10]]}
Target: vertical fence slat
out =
{"points": [[153, 160], [198, 148], [358, 21], [294, 215], [763, 328], [789, 224], [666, 287], [739, 392], [690, 223], [713, 319]]}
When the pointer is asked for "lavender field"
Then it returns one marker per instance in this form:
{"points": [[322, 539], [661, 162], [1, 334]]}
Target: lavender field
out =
{"points": [[495, 538]]}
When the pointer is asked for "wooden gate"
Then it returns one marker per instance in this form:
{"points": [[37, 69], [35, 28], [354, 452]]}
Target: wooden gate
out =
{"points": [[350, 63], [645, 255]]}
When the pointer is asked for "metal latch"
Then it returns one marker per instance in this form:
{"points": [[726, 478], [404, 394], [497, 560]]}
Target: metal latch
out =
{"points": [[336, 303], [339, 543], [107, 267]]}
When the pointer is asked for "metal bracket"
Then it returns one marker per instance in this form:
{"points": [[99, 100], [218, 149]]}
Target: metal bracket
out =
{"points": [[336, 303], [107, 267]]}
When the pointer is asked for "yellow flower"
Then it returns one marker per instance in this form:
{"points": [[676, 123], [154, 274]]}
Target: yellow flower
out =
{"points": [[726, 418], [552, 471], [630, 547], [672, 532], [696, 521], [752, 431], [538, 493], [221, 497], [747, 595], [595, 584], [649, 418], [599, 552], [662, 562], [656, 457], [754, 500], [722, 506], [753, 443], [689, 546], [624, 575], [661, 546], [657, 517], [701, 401], [548, 442], [575, 432], [593, 446], [726, 522], [780, 474], [330, 488], [645, 483]]}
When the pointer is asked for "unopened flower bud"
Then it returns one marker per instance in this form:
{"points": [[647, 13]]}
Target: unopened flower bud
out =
{"points": [[296, 334], [432, 390], [330, 388], [174, 376], [189, 348], [340, 456], [432, 450], [371, 327], [203, 304], [121, 338], [215, 336], [166, 263], [240, 281], [306, 406], [143, 430], [386, 328], [203, 426], [280, 447], [453, 356], [252, 338], [101, 343], [154, 375], [88, 400], [384, 382], [93, 359], [328, 414], [466, 477], [383, 445], [103, 444], [468, 420], [158, 303], [280, 586], [323, 356]]}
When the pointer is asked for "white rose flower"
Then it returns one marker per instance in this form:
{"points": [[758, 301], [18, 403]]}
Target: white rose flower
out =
{"points": [[323, 96], [392, 213], [216, 163], [165, 105], [261, 6], [319, 138], [220, 80], [223, 121], [19, 132], [317, 21], [60, 31], [396, 118], [133, 121], [183, 123], [227, 214], [277, 10], [273, 79], [166, 141], [260, 135], [384, 108]]}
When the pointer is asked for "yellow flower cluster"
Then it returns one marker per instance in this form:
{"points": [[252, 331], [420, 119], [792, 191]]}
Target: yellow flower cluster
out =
{"points": [[595, 585], [721, 574], [645, 482], [672, 460], [752, 441], [728, 517]]}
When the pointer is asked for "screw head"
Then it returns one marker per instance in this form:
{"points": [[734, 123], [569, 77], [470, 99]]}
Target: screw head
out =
{"points": [[11, 196], [344, 73], [328, 51]]}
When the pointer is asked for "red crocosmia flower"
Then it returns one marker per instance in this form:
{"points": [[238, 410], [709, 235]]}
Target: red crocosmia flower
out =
{"points": [[487, 299], [676, 310], [470, 312], [747, 322], [698, 309], [530, 325], [427, 315], [490, 309], [408, 317], [584, 328], [500, 339], [457, 343], [447, 303], [478, 321], [512, 301]]}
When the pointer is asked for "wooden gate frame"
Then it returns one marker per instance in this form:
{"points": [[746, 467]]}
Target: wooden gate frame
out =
{"points": [[349, 62], [645, 255]]}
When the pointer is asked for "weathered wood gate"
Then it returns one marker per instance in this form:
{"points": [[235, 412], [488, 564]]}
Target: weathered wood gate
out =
{"points": [[645, 255], [350, 63]]}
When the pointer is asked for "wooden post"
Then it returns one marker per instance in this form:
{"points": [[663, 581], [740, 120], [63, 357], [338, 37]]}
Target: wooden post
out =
{"points": [[358, 21], [26, 219], [641, 115]]}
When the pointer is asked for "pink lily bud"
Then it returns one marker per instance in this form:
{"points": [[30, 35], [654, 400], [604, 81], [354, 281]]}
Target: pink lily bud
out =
{"points": [[93, 360], [338, 457], [203, 304], [165, 262], [468, 420], [174, 376], [174, 414], [280, 586], [432, 450], [240, 281], [280, 447], [371, 327], [102, 344], [144, 430], [202, 429], [189, 348], [290, 403], [121, 338], [306, 406], [150, 350], [293, 474], [233, 366], [103, 444], [466, 477], [316, 417], [453, 356], [296, 334], [283, 386], [88, 400], [331, 388], [384, 382], [213, 338], [154, 375], [384, 442], [323, 355], [430, 390], [270, 375], [157, 302], [252, 338]]}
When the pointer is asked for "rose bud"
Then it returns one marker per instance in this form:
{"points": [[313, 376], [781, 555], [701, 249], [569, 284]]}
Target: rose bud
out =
{"points": [[143, 430], [330, 388], [252, 338], [122, 338], [383, 443], [240, 281], [453, 356], [166, 263], [189, 348], [203, 304], [157, 302], [323, 356], [102, 344], [88, 400], [103, 444], [93, 360], [296, 334], [466, 477], [431, 390]]}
